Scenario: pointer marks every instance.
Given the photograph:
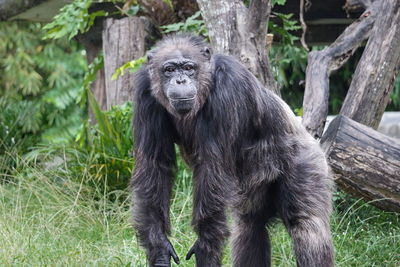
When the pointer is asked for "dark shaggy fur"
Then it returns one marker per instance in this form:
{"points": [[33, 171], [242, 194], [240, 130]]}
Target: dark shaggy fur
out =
{"points": [[247, 151]]}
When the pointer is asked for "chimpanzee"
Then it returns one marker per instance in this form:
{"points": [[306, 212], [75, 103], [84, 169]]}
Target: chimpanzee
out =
{"points": [[247, 151]]}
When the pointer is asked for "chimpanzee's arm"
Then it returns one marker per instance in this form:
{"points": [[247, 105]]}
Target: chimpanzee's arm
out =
{"points": [[211, 196], [153, 174], [213, 190]]}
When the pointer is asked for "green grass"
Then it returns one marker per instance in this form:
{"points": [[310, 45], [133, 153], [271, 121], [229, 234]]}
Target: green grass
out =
{"points": [[48, 217]]}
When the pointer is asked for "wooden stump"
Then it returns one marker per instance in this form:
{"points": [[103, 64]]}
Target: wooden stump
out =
{"points": [[365, 162], [123, 40]]}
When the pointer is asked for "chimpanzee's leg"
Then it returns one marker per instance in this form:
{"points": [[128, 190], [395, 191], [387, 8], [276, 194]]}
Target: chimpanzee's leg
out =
{"points": [[305, 207], [250, 242], [255, 209]]}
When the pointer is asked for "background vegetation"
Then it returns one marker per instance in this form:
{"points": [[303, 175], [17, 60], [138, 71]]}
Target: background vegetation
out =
{"points": [[63, 182]]}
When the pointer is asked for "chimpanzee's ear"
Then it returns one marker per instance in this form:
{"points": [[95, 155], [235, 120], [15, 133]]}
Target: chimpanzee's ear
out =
{"points": [[149, 56], [206, 51]]}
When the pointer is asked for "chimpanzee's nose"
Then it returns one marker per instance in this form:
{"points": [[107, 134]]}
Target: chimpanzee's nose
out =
{"points": [[181, 80]]}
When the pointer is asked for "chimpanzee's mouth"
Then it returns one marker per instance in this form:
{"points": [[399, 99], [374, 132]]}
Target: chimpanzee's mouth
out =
{"points": [[182, 105]]}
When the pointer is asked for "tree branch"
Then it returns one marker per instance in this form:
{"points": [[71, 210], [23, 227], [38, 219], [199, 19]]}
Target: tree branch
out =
{"points": [[303, 26], [322, 63], [11, 8], [377, 70]]}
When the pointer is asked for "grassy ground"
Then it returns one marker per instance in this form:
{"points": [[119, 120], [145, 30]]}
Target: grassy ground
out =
{"points": [[49, 218]]}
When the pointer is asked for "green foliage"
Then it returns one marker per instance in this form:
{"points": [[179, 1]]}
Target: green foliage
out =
{"points": [[284, 29], [103, 151], [110, 144], [299, 111], [278, 2], [50, 217], [12, 138], [72, 19], [395, 96], [289, 64], [134, 9], [90, 77], [132, 66], [75, 18], [192, 24], [39, 83], [287, 60]]}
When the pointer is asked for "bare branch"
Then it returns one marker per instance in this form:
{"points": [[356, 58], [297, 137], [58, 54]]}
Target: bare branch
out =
{"points": [[377, 70], [303, 26], [322, 63]]}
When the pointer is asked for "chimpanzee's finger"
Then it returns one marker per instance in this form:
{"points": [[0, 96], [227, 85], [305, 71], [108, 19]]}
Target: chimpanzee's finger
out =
{"points": [[191, 251], [173, 254]]}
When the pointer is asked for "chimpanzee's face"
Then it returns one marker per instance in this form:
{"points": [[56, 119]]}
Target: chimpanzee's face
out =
{"points": [[180, 82], [180, 75]]}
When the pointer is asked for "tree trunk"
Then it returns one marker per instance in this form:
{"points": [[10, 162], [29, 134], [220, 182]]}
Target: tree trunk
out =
{"points": [[241, 32], [322, 63], [10, 8], [365, 162], [377, 70], [123, 40]]}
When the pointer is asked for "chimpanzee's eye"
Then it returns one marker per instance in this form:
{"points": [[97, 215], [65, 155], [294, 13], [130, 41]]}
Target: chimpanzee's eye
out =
{"points": [[169, 69], [188, 67]]}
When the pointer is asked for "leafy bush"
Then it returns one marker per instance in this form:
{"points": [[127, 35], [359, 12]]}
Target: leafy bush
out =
{"points": [[110, 144], [289, 64], [39, 83], [102, 151]]}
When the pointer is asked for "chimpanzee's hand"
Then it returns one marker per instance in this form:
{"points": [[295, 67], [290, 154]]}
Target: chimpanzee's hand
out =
{"points": [[193, 250], [204, 257], [163, 255], [201, 257]]}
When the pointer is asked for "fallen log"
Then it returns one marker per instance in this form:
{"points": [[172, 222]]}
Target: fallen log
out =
{"points": [[365, 162]]}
